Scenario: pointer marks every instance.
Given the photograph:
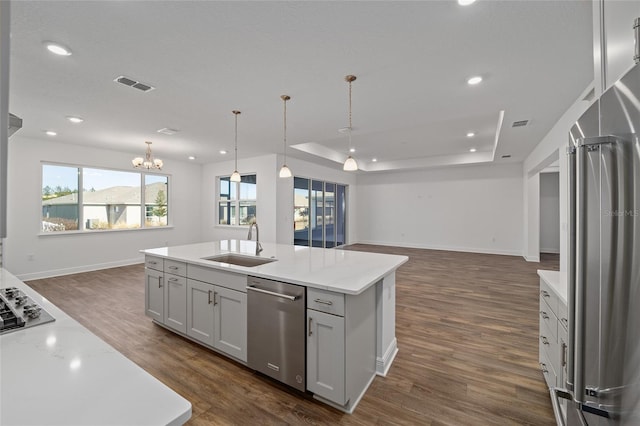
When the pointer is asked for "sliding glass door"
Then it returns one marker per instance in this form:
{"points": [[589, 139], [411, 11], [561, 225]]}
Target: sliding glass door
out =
{"points": [[319, 213]]}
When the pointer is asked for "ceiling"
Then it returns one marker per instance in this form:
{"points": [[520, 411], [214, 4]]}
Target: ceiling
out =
{"points": [[412, 106]]}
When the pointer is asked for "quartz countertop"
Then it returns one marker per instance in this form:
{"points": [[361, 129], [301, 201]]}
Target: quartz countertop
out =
{"points": [[343, 271], [62, 374], [556, 281]]}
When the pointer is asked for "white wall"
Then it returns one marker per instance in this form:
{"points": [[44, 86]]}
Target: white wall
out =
{"points": [[30, 255], [550, 212], [476, 208]]}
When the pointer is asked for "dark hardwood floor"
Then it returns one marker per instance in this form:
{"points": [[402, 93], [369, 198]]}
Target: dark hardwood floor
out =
{"points": [[467, 329]]}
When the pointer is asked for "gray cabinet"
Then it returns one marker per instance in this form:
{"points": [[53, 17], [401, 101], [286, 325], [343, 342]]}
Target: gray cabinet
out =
{"points": [[552, 336], [154, 295], [341, 346], [216, 309], [325, 356]]}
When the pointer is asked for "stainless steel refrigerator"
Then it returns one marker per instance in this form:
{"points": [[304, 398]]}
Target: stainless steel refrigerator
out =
{"points": [[603, 355]]}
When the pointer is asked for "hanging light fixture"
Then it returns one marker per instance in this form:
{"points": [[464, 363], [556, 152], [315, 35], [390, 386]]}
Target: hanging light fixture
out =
{"points": [[235, 176], [350, 164], [148, 162], [285, 172]]}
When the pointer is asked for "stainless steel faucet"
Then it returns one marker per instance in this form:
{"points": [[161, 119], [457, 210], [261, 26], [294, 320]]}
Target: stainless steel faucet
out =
{"points": [[258, 245]]}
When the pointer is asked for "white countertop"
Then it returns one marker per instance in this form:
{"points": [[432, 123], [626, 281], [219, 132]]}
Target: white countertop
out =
{"points": [[343, 271], [62, 374], [556, 281]]}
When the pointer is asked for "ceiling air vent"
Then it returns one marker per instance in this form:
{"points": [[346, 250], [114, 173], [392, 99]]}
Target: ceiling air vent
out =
{"points": [[133, 83], [506, 156], [520, 123]]}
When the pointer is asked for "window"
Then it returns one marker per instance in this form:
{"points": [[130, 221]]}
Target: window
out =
{"points": [[237, 200], [110, 199], [319, 213]]}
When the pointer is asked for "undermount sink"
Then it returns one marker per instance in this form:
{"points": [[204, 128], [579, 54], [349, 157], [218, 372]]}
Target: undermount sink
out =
{"points": [[235, 259]]}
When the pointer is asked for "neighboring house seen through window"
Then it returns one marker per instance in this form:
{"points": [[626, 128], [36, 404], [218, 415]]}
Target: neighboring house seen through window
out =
{"points": [[237, 200], [110, 199]]}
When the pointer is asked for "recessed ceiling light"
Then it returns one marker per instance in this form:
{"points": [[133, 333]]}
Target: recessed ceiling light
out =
{"points": [[474, 80], [352, 150], [472, 150], [223, 152], [470, 134], [191, 157], [465, 2], [51, 133], [374, 160], [75, 120], [58, 49]]}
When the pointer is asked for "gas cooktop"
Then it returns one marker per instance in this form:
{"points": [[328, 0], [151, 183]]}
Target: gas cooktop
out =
{"points": [[19, 311]]}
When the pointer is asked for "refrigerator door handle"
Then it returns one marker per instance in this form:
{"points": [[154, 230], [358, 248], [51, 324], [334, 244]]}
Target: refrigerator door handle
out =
{"points": [[579, 291], [571, 275]]}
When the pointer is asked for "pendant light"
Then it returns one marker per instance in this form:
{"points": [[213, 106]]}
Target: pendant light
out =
{"points": [[350, 164], [235, 176], [285, 172]]}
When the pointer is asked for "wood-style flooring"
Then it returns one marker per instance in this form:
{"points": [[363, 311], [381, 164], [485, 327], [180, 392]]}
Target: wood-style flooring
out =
{"points": [[467, 330]]}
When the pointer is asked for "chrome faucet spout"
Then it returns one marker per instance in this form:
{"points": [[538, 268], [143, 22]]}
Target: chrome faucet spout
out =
{"points": [[249, 236]]}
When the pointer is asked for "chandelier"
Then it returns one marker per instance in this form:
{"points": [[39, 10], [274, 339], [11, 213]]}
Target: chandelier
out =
{"points": [[148, 162]]}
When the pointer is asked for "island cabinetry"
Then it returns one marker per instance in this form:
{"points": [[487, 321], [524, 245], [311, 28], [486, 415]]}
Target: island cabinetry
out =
{"points": [[341, 345], [154, 288], [175, 297], [217, 309]]}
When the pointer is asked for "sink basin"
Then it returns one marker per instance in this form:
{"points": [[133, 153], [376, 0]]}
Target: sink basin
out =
{"points": [[236, 259]]}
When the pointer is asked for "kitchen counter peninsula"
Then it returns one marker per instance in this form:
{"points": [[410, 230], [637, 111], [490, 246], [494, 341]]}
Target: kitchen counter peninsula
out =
{"points": [[59, 373], [200, 292]]}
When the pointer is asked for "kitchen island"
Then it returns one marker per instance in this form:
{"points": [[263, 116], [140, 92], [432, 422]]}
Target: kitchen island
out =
{"points": [[59, 373], [200, 291]]}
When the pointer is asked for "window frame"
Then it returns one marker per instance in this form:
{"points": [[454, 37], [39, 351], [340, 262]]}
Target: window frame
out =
{"points": [[236, 203], [82, 229]]}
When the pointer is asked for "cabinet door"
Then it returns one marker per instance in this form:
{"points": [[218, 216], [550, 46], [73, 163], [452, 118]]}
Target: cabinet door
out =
{"points": [[325, 356], [230, 322], [175, 302], [200, 311], [154, 295]]}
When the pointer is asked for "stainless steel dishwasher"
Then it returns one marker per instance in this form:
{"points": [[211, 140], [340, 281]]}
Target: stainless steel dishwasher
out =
{"points": [[276, 338]]}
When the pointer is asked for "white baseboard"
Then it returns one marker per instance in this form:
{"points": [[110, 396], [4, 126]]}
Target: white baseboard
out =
{"points": [[78, 269], [384, 364], [550, 250], [532, 258], [444, 248]]}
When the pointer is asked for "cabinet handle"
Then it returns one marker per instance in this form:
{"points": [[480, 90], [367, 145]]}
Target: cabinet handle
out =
{"points": [[544, 315], [324, 302], [564, 354], [173, 267], [545, 293], [543, 366], [151, 262], [209, 296], [564, 321], [214, 299], [173, 279], [159, 281], [310, 332], [544, 340]]}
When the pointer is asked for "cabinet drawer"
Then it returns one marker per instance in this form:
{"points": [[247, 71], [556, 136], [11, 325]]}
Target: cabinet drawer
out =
{"points": [[563, 316], [325, 301], [230, 280], [156, 263], [549, 296], [175, 279], [549, 319], [176, 268]]}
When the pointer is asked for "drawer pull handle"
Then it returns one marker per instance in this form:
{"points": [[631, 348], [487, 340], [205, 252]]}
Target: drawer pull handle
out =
{"points": [[209, 298], [564, 321], [324, 302], [173, 267], [543, 366], [545, 341], [173, 279], [159, 281], [545, 293], [544, 315], [151, 262]]}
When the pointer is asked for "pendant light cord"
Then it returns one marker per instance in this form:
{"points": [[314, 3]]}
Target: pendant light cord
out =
{"points": [[285, 130], [236, 141]]}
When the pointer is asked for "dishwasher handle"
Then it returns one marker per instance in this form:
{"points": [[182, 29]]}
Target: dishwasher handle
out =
{"points": [[272, 293]]}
